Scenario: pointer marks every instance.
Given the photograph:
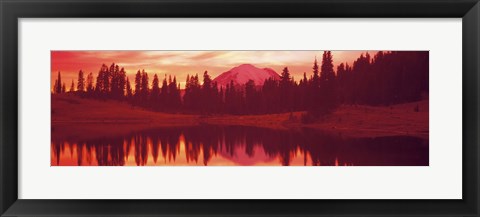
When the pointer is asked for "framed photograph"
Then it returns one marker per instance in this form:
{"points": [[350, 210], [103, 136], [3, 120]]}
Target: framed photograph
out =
{"points": [[251, 108]]}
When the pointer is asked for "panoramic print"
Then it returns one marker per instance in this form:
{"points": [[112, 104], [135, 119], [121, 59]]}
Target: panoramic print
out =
{"points": [[239, 108]]}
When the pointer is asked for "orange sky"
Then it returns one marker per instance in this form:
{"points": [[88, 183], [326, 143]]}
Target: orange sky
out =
{"points": [[181, 63]]}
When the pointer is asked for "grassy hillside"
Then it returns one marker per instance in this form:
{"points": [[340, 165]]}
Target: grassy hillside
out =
{"points": [[401, 119], [74, 116], [68, 108]]}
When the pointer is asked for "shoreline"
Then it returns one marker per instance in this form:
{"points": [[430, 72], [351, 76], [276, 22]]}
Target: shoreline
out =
{"points": [[347, 120]]}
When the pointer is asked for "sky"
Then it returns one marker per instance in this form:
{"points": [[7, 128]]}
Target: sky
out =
{"points": [[181, 63]]}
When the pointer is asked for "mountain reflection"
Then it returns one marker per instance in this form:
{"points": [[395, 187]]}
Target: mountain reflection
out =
{"points": [[238, 145]]}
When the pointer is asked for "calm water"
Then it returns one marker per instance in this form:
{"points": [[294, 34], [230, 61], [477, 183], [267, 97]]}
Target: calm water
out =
{"points": [[235, 145]]}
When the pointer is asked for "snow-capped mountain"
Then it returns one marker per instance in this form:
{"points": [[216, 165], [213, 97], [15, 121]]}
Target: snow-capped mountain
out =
{"points": [[242, 73]]}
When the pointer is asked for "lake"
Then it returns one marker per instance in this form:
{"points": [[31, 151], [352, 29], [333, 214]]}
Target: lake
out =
{"points": [[210, 145]]}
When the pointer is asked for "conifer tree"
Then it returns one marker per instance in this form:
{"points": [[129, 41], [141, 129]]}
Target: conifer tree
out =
{"points": [[164, 94], [81, 82], [286, 90], [144, 85], [72, 87], [122, 76], [313, 90], [207, 95], [251, 100], [155, 102], [59, 83], [129, 89], [316, 77], [90, 83], [327, 85], [174, 94], [327, 72], [138, 83]]}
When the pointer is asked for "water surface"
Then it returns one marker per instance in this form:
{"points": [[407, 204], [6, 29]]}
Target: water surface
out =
{"points": [[236, 145]]}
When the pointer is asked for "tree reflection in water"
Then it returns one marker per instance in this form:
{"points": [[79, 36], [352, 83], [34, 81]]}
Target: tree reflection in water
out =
{"points": [[238, 145]]}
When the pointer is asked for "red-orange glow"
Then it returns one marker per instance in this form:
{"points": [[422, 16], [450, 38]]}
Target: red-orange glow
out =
{"points": [[72, 155], [181, 63], [252, 108]]}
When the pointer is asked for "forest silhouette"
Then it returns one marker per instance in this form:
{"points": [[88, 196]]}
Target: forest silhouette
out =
{"points": [[384, 79]]}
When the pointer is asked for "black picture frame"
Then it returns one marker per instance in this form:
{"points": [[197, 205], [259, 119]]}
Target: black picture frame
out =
{"points": [[12, 10]]}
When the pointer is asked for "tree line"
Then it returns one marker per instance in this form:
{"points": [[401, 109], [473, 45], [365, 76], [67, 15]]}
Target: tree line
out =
{"points": [[384, 79]]}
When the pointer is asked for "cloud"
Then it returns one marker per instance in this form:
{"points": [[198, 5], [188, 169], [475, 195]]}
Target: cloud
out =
{"points": [[207, 55]]}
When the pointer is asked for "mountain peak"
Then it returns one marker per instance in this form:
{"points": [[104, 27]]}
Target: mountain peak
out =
{"points": [[243, 73], [244, 66]]}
